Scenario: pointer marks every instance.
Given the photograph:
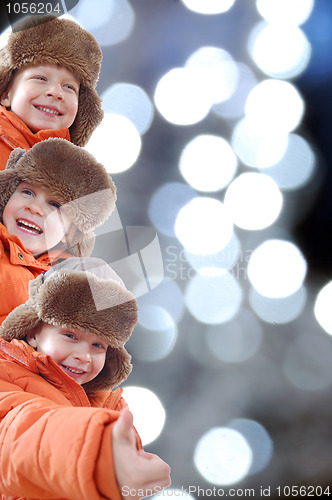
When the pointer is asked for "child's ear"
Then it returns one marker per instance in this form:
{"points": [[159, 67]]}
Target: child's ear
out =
{"points": [[4, 100], [31, 338]]}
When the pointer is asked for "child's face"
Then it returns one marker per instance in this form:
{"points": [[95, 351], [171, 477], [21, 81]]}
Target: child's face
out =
{"points": [[43, 97], [80, 355], [35, 217]]}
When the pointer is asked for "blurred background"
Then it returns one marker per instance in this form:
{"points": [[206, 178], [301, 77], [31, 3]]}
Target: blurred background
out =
{"points": [[217, 135]]}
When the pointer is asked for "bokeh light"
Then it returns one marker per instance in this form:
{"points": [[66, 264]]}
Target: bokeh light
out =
{"points": [[203, 226], [180, 96], [285, 12], [213, 299], [237, 340], [173, 196], [274, 105], [277, 268], [234, 107], [223, 456], [297, 165], [208, 163], [278, 50], [4, 37], [224, 259], [123, 140], [259, 441], [253, 201], [209, 6], [278, 310], [155, 335], [167, 294], [149, 414], [258, 147], [114, 26], [322, 308], [130, 101], [218, 71]]}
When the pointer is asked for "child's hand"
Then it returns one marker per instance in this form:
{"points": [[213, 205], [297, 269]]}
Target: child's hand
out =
{"points": [[138, 473]]}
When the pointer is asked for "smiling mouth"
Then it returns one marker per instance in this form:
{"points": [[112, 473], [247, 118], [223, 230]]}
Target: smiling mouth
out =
{"points": [[72, 370], [29, 226], [49, 110]]}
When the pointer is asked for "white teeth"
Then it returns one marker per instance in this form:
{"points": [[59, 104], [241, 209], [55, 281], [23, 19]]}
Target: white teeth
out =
{"points": [[29, 224], [48, 110], [73, 371]]}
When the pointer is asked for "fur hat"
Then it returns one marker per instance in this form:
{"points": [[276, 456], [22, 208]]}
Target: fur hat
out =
{"points": [[40, 40], [78, 182], [81, 294]]}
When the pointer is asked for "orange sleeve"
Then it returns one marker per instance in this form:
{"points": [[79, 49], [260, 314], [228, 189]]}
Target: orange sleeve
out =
{"points": [[57, 451]]}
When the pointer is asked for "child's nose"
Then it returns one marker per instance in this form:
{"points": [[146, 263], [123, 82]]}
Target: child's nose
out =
{"points": [[35, 208], [83, 354], [55, 91]]}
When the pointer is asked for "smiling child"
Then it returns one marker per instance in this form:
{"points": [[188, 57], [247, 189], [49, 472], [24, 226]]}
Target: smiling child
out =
{"points": [[64, 432], [48, 74], [51, 199]]}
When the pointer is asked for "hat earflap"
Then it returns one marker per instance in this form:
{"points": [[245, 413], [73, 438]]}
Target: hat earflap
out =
{"points": [[116, 369], [6, 70], [80, 244], [9, 179], [16, 326], [14, 157]]}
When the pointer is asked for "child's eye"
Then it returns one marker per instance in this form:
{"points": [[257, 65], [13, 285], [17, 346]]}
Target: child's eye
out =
{"points": [[27, 191], [71, 87], [99, 346], [55, 204], [40, 77], [70, 335]]}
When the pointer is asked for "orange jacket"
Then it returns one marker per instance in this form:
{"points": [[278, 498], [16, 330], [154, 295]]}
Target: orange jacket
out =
{"points": [[16, 134], [17, 267], [55, 442]]}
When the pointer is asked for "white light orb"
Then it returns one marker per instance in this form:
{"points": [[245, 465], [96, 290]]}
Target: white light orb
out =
{"points": [[253, 200], [213, 299], [208, 163], [203, 226], [149, 414], [123, 140], [275, 105], [223, 456], [323, 310], [277, 268], [279, 51], [181, 97]]}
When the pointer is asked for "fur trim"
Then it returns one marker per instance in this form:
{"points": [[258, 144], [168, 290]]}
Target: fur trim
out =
{"points": [[47, 39], [83, 187], [80, 300]]}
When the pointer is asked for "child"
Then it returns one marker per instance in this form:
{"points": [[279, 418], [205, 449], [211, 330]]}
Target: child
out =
{"points": [[51, 199], [61, 353], [48, 74]]}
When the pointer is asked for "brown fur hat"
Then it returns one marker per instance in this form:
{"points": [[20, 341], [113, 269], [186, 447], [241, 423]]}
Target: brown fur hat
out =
{"points": [[81, 294], [77, 181], [40, 40]]}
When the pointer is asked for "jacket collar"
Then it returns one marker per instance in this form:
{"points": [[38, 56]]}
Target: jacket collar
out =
{"points": [[24, 355], [21, 353], [17, 134], [19, 255]]}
